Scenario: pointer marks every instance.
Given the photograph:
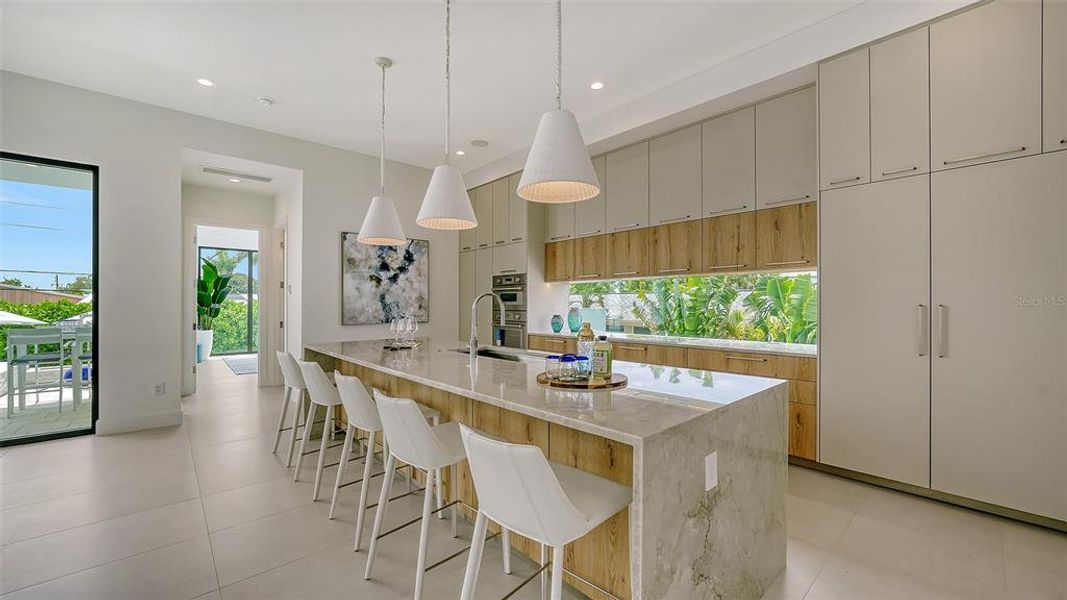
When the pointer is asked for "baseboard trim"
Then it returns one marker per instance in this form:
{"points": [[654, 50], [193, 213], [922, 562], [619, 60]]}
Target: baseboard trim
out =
{"points": [[977, 505], [139, 423]]}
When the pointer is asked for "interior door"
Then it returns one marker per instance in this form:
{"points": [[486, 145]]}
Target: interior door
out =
{"points": [[999, 380], [874, 283]]}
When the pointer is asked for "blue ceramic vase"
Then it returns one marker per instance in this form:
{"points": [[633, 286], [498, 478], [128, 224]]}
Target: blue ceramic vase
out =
{"points": [[557, 323]]}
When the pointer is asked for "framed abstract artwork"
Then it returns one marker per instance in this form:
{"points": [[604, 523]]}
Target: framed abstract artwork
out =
{"points": [[383, 283]]}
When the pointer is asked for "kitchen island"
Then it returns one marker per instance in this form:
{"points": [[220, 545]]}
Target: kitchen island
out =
{"points": [[672, 434]]}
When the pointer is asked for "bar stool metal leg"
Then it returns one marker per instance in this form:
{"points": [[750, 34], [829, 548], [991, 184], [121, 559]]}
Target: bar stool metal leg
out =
{"points": [[474, 558], [557, 572], [505, 545], [298, 413], [424, 533], [326, 425], [361, 508], [308, 423], [346, 449]]}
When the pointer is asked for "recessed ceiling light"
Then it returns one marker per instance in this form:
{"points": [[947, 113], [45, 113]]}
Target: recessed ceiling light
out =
{"points": [[460, 153], [205, 82], [234, 180], [479, 143], [597, 85]]}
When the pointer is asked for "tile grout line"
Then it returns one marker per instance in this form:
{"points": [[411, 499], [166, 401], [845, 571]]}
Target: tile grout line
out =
{"points": [[203, 512], [837, 542]]}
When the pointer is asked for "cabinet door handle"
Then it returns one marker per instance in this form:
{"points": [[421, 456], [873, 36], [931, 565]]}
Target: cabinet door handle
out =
{"points": [[482, 245], [508, 271], [518, 239], [784, 200], [625, 273], [678, 270], [899, 171], [500, 242], [953, 161], [589, 276], [787, 263], [680, 218], [745, 358], [552, 341], [558, 237], [620, 227], [726, 210], [726, 267], [589, 232], [924, 329], [840, 181], [634, 348], [942, 331], [467, 247]]}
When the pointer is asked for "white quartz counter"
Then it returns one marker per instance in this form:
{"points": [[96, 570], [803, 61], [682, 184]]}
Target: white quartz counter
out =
{"points": [[657, 398], [779, 348]]}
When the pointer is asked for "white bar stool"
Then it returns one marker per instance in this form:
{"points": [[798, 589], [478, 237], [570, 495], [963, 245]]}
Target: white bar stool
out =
{"points": [[362, 413], [429, 449], [545, 501], [294, 386], [322, 393]]}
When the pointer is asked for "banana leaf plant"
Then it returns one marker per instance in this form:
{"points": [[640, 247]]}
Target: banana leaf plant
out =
{"points": [[211, 292]]}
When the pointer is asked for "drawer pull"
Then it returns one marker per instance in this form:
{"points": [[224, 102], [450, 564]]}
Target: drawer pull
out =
{"points": [[518, 239], [726, 210], [620, 227], [467, 247], [500, 242], [551, 341], [726, 267], [589, 276], [509, 271], [558, 237], [626, 273], [784, 200], [482, 245], [746, 358], [679, 270], [787, 263], [681, 218], [840, 181], [634, 348], [987, 155], [589, 232], [899, 171]]}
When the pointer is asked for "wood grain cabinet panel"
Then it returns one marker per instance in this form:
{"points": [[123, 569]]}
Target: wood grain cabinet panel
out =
{"points": [[787, 237], [672, 356], [559, 261], [803, 419], [630, 351], [796, 368], [675, 248], [590, 257], [546, 343], [728, 243], [628, 253]]}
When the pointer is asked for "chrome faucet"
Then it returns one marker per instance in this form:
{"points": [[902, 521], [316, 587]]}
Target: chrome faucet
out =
{"points": [[474, 320]]}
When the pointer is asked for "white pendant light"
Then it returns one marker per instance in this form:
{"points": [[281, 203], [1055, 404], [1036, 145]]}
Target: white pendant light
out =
{"points": [[558, 169], [381, 226], [446, 204]]}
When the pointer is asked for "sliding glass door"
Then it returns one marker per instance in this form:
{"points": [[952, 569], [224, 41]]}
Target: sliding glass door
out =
{"points": [[48, 324], [237, 325]]}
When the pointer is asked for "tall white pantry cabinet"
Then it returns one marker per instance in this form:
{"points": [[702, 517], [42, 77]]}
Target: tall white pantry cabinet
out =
{"points": [[943, 325]]}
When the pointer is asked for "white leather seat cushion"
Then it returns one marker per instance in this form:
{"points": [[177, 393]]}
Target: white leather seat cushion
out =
{"points": [[449, 436], [595, 497]]}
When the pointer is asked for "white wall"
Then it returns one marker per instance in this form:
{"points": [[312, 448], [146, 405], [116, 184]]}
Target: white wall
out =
{"points": [[208, 236], [229, 205], [138, 149]]}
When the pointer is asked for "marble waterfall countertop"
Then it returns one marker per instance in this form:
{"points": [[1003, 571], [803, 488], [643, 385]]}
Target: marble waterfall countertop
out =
{"points": [[657, 398], [779, 348]]}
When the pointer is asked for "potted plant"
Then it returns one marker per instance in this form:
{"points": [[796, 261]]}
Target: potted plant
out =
{"points": [[211, 292]]}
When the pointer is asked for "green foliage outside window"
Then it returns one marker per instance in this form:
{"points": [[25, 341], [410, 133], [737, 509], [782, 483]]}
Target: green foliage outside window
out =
{"points": [[48, 312], [231, 326], [770, 307]]}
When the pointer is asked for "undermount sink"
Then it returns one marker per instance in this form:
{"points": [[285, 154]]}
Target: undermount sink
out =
{"points": [[492, 353]]}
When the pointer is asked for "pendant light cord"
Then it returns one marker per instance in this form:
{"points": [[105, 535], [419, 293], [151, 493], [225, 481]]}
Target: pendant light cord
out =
{"points": [[448, 79], [381, 171], [559, 54]]}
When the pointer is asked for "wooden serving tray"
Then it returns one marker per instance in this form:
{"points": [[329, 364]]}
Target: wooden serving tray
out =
{"points": [[618, 380]]}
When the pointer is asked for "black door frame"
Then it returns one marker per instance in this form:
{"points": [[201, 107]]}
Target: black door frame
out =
{"points": [[94, 367], [252, 284]]}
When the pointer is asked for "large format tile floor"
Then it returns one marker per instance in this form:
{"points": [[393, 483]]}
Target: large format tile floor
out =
{"points": [[205, 511]]}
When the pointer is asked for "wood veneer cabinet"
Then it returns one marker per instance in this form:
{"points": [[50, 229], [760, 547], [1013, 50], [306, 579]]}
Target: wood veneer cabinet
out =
{"points": [[652, 354], [590, 257], [559, 261], [787, 237], [728, 243], [546, 343], [675, 248], [627, 253]]}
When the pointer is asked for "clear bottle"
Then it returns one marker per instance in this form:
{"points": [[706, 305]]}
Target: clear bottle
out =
{"points": [[586, 338], [602, 354]]}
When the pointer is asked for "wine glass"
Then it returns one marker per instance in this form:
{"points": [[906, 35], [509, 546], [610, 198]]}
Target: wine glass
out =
{"points": [[394, 328], [413, 326]]}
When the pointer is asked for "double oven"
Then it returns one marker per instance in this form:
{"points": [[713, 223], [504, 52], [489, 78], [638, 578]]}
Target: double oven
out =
{"points": [[512, 290]]}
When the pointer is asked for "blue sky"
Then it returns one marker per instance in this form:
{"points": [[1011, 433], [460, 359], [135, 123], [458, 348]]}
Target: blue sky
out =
{"points": [[44, 228]]}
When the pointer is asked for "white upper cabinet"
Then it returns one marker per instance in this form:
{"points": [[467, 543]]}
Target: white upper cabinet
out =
{"points": [[985, 84], [729, 163], [510, 258], [589, 215], [501, 206], [900, 106], [516, 210], [844, 120], [674, 176], [1055, 35], [468, 238], [559, 222], [785, 149], [482, 199], [627, 178], [468, 277]]}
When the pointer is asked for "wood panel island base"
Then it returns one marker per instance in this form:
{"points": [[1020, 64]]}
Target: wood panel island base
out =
{"points": [[671, 435]]}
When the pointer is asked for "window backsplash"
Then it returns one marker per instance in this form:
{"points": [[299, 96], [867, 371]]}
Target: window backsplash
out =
{"points": [[774, 307]]}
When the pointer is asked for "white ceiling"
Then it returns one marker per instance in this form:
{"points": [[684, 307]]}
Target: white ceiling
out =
{"points": [[316, 60], [282, 179]]}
